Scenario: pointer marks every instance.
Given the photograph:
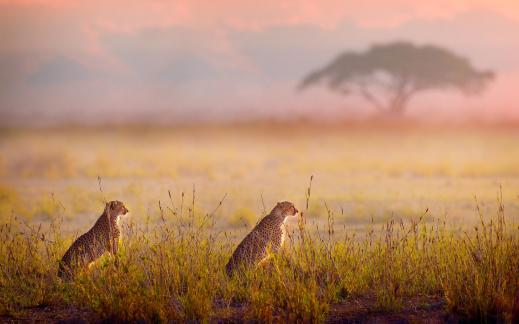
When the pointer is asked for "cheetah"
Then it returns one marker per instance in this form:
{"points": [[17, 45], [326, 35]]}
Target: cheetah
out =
{"points": [[270, 231], [102, 237]]}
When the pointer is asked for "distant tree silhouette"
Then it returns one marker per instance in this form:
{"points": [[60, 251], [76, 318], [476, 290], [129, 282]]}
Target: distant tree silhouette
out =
{"points": [[388, 75]]}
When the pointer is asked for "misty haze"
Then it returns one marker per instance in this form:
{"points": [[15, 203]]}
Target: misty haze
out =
{"points": [[88, 70], [249, 162]]}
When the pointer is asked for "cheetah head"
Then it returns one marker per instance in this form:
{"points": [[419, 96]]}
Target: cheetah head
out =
{"points": [[116, 208], [285, 209]]}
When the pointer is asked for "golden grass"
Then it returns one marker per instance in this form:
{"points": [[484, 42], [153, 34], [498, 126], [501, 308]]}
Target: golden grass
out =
{"points": [[365, 231], [379, 174], [174, 271]]}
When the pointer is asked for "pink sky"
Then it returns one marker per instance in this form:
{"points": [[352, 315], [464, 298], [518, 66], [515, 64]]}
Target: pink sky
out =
{"points": [[256, 14], [118, 50]]}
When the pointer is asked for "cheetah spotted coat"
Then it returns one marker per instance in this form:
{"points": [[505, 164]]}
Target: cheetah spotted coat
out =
{"points": [[269, 232], [102, 237]]}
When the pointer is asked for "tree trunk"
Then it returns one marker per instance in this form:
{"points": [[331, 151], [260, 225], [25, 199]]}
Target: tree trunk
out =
{"points": [[397, 106], [396, 110]]}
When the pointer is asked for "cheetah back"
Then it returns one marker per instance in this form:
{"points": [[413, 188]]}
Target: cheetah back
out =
{"points": [[253, 248], [91, 245]]}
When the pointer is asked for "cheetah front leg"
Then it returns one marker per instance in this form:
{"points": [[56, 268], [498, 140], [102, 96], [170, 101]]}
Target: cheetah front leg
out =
{"points": [[266, 259], [115, 251], [264, 262]]}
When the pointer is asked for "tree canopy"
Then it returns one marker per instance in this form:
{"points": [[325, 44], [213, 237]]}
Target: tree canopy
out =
{"points": [[388, 75]]}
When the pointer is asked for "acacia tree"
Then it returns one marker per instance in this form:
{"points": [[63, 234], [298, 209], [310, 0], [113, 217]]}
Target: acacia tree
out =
{"points": [[388, 75]]}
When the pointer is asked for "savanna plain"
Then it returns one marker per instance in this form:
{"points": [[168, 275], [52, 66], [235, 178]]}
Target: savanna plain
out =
{"points": [[398, 223]]}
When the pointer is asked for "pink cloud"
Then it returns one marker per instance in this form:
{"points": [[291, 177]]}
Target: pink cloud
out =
{"points": [[76, 29], [125, 15]]}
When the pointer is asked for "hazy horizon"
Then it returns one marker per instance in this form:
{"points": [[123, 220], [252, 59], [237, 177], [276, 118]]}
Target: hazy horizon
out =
{"points": [[100, 62]]}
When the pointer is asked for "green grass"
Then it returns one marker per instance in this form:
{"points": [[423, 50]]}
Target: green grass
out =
{"points": [[175, 271]]}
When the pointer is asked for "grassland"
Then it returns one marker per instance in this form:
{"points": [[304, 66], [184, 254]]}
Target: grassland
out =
{"points": [[409, 221]]}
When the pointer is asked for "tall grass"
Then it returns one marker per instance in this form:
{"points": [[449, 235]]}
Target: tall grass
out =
{"points": [[174, 271]]}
